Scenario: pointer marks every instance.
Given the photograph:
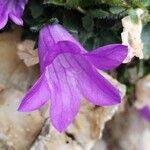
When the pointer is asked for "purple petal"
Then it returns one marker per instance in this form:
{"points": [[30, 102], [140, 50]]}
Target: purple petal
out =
{"points": [[13, 9], [17, 20], [59, 33], [3, 13], [3, 20], [45, 45], [61, 47], [65, 97], [94, 86], [146, 112], [49, 36], [37, 96], [108, 57], [16, 11]]}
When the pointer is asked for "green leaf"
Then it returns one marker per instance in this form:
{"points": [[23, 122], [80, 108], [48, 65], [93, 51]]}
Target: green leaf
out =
{"points": [[73, 3], [133, 16], [146, 2], [88, 23], [116, 10], [136, 3], [111, 2], [55, 2], [146, 40], [98, 13], [36, 8]]}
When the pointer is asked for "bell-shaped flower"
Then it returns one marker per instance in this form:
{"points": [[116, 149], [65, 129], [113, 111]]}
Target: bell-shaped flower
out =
{"points": [[68, 73], [12, 9]]}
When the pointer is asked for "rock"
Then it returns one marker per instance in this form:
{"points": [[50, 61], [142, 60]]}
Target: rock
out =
{"points": [[143, 92], [13, 73], [131, 36], [17, 130], [27, 53], [50, 138], [8, 58], [100, 145], [127, 131]]}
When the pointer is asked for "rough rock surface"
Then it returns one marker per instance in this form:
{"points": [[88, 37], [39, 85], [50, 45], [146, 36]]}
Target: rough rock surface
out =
{"points": [[17, 130], [27, 53], [143, 92], [127, 131], [131, 36]]}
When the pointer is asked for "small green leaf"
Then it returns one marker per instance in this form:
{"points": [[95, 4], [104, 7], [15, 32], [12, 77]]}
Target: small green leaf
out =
{"points": [[116, 10], [72, 23], [133, 16], [146, 2], [54, 2], [146, 40], [73, 3], [98, 13], [88, 23], [36, 8]]}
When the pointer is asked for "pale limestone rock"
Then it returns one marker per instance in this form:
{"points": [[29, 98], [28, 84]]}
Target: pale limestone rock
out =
{"points": [[85, 130], [13, 73], [22, 78], [100, 145], [17, 130], [131, 36], [128, 131], [51, 139], [27, 53], [143, 92], [8, 58]]}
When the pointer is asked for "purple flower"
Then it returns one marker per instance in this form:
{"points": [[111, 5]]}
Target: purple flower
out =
{"points": [[68, 73], [145, 111], [12, 9]]}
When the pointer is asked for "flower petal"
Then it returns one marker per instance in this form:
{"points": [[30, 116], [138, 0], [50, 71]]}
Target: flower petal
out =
{"points": [[51, 35], [3, 13], [16, 12], [108, 57], [61, 47], [145, 111], [94, 86], [45, 45], [17, 20], [65, 97], [37, 96], [59, 33], [3, 20], [13, 9]]}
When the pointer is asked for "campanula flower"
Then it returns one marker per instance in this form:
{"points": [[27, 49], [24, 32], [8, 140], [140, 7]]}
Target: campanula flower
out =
{"points": [[68, 73], [12, 9]]}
